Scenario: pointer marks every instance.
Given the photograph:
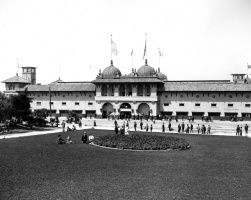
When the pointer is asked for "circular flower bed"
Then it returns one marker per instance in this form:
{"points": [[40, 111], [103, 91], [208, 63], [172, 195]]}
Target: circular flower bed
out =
{"points": [[141, 142]]}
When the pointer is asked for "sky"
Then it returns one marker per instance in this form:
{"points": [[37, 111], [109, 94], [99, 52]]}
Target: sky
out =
{"points": [[71, 39]]}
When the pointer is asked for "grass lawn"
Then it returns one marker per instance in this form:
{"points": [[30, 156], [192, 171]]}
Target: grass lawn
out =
{"points": [[216, 167]]}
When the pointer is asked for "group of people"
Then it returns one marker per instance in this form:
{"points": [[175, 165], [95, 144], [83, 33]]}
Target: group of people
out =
{"points": [[84, 139], [68, 128], [60, 140], [239, 130], [123, 130]]}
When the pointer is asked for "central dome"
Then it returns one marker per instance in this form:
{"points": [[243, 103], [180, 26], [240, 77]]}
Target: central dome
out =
{"points": [[111, 71], [146, 70]]}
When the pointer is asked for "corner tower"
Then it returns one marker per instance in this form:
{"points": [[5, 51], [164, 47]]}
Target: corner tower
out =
{"points": [[29, 73]]}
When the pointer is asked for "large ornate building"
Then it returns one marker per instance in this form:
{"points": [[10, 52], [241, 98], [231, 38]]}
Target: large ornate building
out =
{"points": [[144, 92]]}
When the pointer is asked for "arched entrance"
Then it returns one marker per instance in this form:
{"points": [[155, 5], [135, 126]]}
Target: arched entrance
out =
{"points": [[125, 111], [107, 109], [144, 110]]}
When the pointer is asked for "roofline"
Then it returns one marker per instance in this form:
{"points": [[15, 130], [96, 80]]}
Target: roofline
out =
{"points": [[74, 82], [226, 81]]}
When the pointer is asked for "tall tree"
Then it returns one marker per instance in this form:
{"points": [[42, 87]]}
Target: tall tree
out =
{"points": [[20, 106], [5, 106]]}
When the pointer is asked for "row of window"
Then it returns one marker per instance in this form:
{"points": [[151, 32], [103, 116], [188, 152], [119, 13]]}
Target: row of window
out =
{"points": [[203, 94], [64, 103], [57, 94], [212, 105]]}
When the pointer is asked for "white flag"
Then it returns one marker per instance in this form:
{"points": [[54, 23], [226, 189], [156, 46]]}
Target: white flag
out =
{"points": [[160, 53], [144, 51], [114, 49]]}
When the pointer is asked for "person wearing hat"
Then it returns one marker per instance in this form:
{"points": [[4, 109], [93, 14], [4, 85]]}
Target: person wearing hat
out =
{"points": [[84, 138]]}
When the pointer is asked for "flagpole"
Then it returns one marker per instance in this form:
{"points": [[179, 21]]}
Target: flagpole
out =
{"points": [[111, 47], [17, 67], [146, 46], [159, 58], [132, 57]]}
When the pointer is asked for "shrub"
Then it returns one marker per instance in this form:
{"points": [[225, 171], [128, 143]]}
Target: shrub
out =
{"points": [[142, 142]]}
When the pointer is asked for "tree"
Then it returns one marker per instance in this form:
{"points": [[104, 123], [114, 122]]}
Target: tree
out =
{"points": [[20, 106], [5, 105], [41, 113]]}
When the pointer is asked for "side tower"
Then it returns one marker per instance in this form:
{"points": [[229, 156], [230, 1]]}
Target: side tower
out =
{"points": [[29, 73]]}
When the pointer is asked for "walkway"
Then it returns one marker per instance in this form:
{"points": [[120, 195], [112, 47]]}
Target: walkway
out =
{"points": [[225, 128]]}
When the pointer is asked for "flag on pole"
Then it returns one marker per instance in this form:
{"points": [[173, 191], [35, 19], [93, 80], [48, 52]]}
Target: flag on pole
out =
{"points": [[249, 66], [18, 64], [114, 49], [132, 52], [144, 50], [160, 53]]}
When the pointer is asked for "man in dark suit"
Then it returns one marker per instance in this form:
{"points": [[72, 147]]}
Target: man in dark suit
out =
{"points": [[141, 124], [182, 126], [84, 138]]}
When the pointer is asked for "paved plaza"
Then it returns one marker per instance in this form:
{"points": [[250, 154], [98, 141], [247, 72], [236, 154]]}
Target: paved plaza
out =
{"points": [[225, 128]]}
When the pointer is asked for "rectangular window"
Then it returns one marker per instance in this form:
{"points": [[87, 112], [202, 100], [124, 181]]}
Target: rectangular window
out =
{"points": [[230, 105], [89, 104], [63, 103], [76, 103], [247, 105], [38, 103], [166, 104], [213, 104], [197, 105], [181, 104]]}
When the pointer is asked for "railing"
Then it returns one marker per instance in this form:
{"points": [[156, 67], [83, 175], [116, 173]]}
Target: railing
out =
{"points": [[126, 98]]}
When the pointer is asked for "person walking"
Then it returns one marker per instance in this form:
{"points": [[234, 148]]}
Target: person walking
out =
{"points": [[246, 129], [191, 128], [237, 130], [198, 129], [209, 130], [63, 126], [147, 127], [141, 125], [203, 129], [179, 127], [135, 126], [169, 126], [240, 131], [183, 127], [116, 129], [151, 128], [94, 123], [187, 129], [163, 127]]}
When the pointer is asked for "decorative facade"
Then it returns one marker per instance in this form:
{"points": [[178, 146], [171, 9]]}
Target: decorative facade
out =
{"points": [[144, 92]]}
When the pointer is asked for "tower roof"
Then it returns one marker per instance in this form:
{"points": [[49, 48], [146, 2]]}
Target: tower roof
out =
{"points": [[16, 79]]}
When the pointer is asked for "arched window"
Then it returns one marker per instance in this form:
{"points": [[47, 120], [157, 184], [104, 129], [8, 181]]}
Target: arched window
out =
{"points": [[148, 90], [129, 90], [104, 90], [110, 91], [140, 90], [122, 90]]}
